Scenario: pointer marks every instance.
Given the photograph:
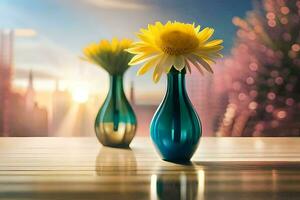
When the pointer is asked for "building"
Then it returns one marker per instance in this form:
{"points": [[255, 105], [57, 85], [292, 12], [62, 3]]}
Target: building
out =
{"points": [[30, 93], [6, 59], [19, 115], [26, 117]]}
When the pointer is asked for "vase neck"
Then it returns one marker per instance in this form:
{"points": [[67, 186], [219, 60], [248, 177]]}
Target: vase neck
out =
{"points": [[176, 82], [116, 84]]}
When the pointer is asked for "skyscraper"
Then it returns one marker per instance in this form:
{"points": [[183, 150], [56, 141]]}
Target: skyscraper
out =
{"points": [[30, 94], [132, 95], [6, 59]]}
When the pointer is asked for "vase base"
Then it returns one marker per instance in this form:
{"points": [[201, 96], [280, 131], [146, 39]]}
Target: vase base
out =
{"points": [[178, 161], [121, 146]]}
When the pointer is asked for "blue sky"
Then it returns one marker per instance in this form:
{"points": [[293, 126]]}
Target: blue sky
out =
{"points": [[64, 27], [73, 23]]}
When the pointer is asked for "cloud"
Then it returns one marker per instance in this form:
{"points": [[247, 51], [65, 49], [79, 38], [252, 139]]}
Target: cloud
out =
{"points": [[25, 32], [118, 4]]}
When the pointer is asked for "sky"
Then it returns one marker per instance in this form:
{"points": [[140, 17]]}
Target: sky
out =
{"points": [[61, 28]]}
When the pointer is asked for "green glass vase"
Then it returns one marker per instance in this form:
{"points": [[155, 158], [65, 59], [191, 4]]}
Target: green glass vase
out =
{"points": [[115, 124], [175, 128]]}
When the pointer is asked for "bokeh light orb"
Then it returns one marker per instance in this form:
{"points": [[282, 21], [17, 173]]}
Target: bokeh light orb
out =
{"points": [[252, 105], [281, 114], [290, 101], [269, 108], [271, 95]]}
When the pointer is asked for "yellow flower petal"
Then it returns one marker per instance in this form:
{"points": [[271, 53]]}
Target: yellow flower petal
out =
{"points": [[219, 55], [205, 34], [137, 59], [179, 63], [187, 65], [205, 57], [211, 49], [148, 65], [197, 29], [145, 48], [114, 44], [158, 70], [194, 62], [145, 37], [213, 43], [204, 64], [169, 63]]}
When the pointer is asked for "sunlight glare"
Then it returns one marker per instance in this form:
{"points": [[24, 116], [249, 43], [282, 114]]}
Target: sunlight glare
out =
{"points": [[80, 94]]}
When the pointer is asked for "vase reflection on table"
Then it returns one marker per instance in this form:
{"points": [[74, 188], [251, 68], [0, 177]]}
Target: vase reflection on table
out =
{"points": [[186, 182], [124, 162]]}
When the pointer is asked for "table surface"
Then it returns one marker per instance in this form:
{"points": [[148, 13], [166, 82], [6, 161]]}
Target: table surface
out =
{"points": [[80, 168]]}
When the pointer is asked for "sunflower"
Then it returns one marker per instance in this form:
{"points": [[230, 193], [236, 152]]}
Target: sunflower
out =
{"points": [[174, 44], [109, 55]]}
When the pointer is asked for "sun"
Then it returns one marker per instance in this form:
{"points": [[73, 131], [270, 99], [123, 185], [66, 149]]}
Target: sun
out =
{"points": [[80, 94]]}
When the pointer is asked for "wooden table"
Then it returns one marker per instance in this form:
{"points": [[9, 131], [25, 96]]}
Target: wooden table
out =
{"points": [[80, 168]]}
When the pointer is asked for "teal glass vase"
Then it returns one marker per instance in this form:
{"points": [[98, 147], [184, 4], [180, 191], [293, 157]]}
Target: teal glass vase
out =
{"points": [[176, 128], [115, 124]]}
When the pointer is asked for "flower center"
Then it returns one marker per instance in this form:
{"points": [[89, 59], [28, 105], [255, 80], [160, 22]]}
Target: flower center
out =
{"points": [[176, 42]]}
